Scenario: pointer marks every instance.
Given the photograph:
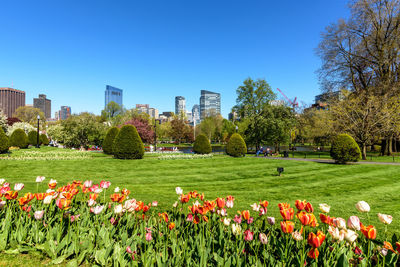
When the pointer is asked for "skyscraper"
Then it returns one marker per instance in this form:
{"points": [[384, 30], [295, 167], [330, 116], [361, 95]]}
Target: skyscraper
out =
{"points": [[43, 104], [210, 103], [113, 94], [65, 112], [10, 100], [180, 105], [196, 114]]}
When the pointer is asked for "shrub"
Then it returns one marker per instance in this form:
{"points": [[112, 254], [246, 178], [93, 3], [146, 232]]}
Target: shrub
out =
{"points": [[44, 140], [127, 144], [202, 145], [4, 143], [32, 138], [109, 140], [345, 149], [19, 139], [236, 146]]}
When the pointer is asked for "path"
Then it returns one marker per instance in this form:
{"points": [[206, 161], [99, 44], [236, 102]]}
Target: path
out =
{"points": [[332, 161]]}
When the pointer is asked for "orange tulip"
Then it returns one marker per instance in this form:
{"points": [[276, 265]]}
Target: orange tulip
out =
{"points": [[221, 202], [368, 231], [146, 208], [205, 218], [283, 206], [93, 196], [388, 246], [23, 200], [63, 203], [164, 215], [29, 196], [125, 192], [246, 214], [398, 247], [139, 205], [196, 219], [74, 191], [171, 226], [68, 195], [211, 205], [194, 194], [300, 205], [11, 195], [287, 213], [313, 253], [309, 208], [287, 227], [117, 197], [326, 219], [40, 196], [264, 203], [316, 240], [307, 219], [185, 198]]}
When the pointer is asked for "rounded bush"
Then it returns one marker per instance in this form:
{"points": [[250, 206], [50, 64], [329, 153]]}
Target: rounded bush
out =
{"points": [[44, 140], [345, 149], [127, 144], [19, 139], [32, 138], [109, 140], [236, 146], [4, 143], [202, 145]]}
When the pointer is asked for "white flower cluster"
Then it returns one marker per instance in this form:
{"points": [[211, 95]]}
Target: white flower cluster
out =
{"points": [[185, 156], [53, 155]]}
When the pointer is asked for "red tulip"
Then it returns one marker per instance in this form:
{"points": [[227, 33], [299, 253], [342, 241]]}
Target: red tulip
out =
{"points": [[171, 226], [300, 205], [40, 196], [326, 219], [398, 247], [264, 203], [248, 235], [368, 231], [287, 214], [185, 198], [11, 195], [221, 202], [283, 206], [307, 219], [164, 215], [316, 240], [313, 253], [287, 227], [309, 208]]}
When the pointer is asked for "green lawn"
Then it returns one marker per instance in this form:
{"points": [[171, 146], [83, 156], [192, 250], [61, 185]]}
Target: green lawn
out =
{"points": [[248, 179]]}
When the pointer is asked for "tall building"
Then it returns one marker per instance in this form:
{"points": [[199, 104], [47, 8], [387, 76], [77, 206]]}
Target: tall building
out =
{"points": [[180, 105], [113, 94], [43, 104], [10, 100], [196, 114], [210, 103], [145, 108], [65, 112]]}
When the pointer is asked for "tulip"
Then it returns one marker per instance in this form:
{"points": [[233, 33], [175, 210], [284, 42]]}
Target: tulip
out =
{"points": [[255, 207], [287, 227], [149, 237], [222, 212], [52, 184], [263, 238], [154, 203], [250, 220], [309, 208], [178, 190], [2, 181], [339, 223], [118, 209], [11, 195], [324, 208], [130, 205], [39, 214], [185, 198], [47, 200], [369, 231], [326, 219], [349, 235], [105, 184], [316, 240], [18, 186], [384, 218], [63, 203], [300, 205], [264, 203], [237, 219], [354, 223], [221, 202], [227, 221], [75, 217], [271, 220], [97, 210], [129, 250], [2, 204], [362, 206], [246, 214], [113, 221], [398, 247], [125, 192], [189, 217], [282, 206], [91, 202], [313, 253], [388, 246], [88, 183], [248, 235], [335, 233], [262, 212], [305, 218], [116, 190], [229, 201], [236, 229], [40, 179], [171, 226], [6, 185], [287, 214], [164, 215], [297, 236]]}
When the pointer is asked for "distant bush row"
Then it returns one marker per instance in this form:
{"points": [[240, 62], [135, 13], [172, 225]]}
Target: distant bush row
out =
{"points": [[19, 139]]}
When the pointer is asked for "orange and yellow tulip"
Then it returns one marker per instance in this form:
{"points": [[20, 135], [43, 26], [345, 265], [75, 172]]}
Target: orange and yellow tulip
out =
{"points": [[63, 203], [185, 198], [246, 214], [307, 219], [171, 226], [40, 196], [287, 214], [221, 202], [309, 208], [316, 240], [313, 253], [300, 205], [368, 231], [264, 203], [283, 206], [11, 195], [164, 215], [287, 227]]}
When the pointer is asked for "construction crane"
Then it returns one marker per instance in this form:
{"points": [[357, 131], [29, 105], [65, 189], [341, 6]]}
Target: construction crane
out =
{"points": [[293, 103]]}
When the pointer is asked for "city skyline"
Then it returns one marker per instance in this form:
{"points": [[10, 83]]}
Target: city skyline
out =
{"points": [[146, 49]]}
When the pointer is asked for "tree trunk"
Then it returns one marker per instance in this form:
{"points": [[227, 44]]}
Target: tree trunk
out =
{"points": [[276, 147], [383, 147], [394, 145], [364, 151]]}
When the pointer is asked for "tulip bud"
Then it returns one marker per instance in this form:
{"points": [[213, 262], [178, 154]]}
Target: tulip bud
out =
{"points": [[263, 238], [271, 220], [384, 218], [349, 235], [178, 190], [362, 206], [47, 200], [324, 208], [354, 223], [227, 221], [39, 214], [297, 236]]}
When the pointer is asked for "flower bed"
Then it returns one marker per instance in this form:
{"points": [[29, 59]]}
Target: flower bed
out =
{"points": [[51, 155], [185, 156], [85, 223]]}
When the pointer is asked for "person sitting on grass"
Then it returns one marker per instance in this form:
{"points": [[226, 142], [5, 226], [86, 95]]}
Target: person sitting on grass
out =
{"points": [[259, 151], [267, 152]]}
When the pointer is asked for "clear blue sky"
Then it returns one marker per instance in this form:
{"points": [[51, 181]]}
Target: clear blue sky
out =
{"points": [[156, 50]]}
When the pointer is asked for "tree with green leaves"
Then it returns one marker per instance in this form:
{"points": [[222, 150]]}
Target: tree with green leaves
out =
{"points": [[112, 110], [29, 115]]}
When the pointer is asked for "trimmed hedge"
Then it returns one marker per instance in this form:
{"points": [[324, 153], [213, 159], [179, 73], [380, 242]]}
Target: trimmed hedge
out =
{"points": [[345, 149], [236, 146], [109, 140], [202, 145], [32, 138], [44, 140], [4, 143], [19, 139], [127, 144]]}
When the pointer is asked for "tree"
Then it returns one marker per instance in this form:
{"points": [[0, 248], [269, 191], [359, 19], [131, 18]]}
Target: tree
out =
{"points": [[3, 121], [111, 110], [56, 133], [236, 146], [109, 140], [202, 145], [143, 127], [26, 127], [315, 126], [83, 130], [32, 138], [4, 142], [180, 131], [252, 97], [19, 139], [345, 149], [127, 144], [29, 115]]}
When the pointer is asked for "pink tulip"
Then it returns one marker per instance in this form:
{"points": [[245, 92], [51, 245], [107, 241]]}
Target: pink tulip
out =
{"points": [[74, 217], [248, 235], [189, 217], [238, 219], [129, 250], [354, 223], [154, 203], [18, 186], [105, 184], [148, 236], [250, 220], [88, 183], [40, 179], [271, 220], [39, 214]]}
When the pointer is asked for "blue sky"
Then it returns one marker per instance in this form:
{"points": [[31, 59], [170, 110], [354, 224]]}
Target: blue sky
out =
{"points": [[156, 50]]}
